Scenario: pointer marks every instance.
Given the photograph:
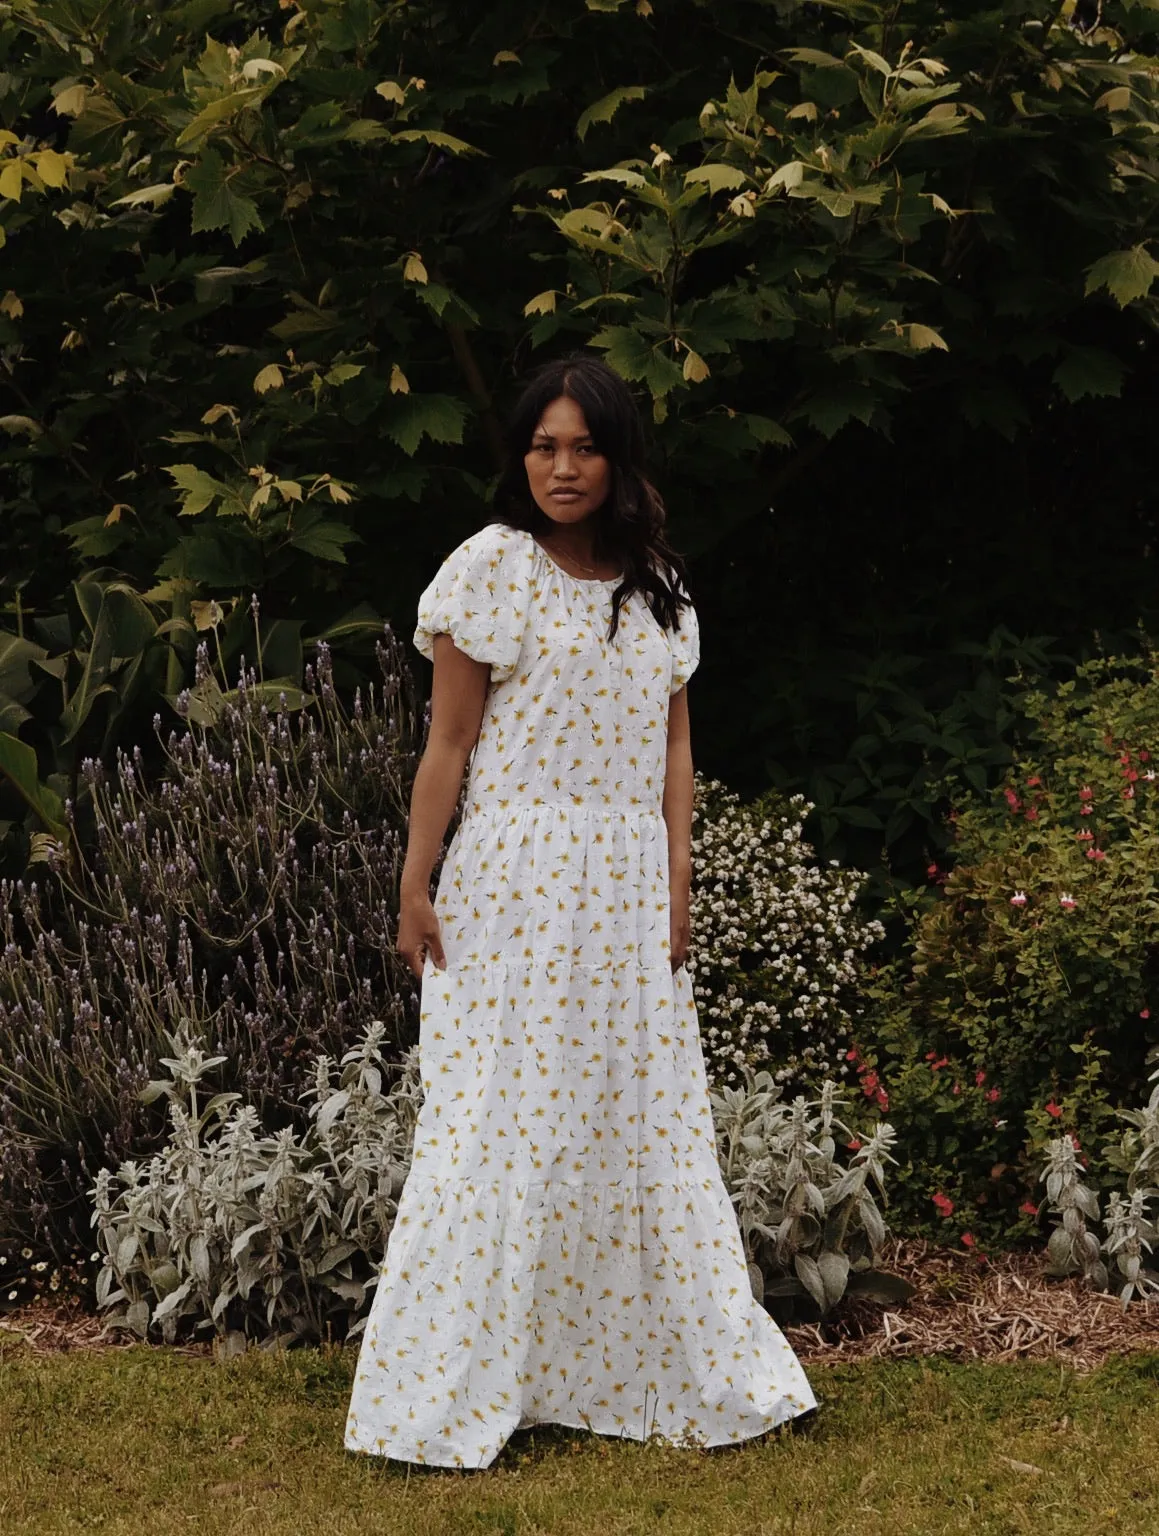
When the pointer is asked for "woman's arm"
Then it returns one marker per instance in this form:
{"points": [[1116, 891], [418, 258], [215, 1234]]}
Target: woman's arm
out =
{"points": [[678, 790], [457, 699]]}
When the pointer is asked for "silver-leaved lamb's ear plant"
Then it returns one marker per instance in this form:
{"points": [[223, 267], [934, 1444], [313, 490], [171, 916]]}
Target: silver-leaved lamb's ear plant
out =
{"points": [[253, 1235], [1119, 1261], [813, 1230]]}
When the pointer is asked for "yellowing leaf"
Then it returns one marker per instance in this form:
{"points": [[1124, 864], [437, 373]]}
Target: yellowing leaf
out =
{"points": [[542, 304], [805, 109], [643, 8], [505, 56], [413, 271], [71, 101], [399, 385], [23, 424], [1116, 100], [53, 167], [923, 337], [338, 492], [717, 177], [216, 412], [742, 207], [11, 181], [207, 615], [271, 377], [788, 176], [390, 90], [72, 340], [115, 515], [696, 370], [558, 193], [11, 306]]}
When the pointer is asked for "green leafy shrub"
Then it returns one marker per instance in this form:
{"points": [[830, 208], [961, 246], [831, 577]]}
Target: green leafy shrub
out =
{"points": [[249, 894], [1026, 1005]]}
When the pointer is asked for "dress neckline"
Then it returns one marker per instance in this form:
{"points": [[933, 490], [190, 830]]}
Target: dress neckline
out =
{"points": [[584, 581]]}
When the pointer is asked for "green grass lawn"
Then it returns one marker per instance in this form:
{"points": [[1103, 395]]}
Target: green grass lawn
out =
{"points": [[145, 1441]]}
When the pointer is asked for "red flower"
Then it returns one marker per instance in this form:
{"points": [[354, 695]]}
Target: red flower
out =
{"points": [[854, 1145], [1144, 1013], [957, 1088], [992, 1095], [851, 1055], [881, 1099], [1054, 1110], [979, 1077], [967, 1240], [1085, 837], [1144, 757], [868, 1084], [944, 1204], [1098, 854], [1028, 1208], [943, 1062], [1012, 799], [1084, 810], [1086, 793], [1033, 783]]}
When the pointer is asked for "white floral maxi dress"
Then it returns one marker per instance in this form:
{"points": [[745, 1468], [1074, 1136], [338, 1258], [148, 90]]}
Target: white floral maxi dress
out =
{"points": [[564, 1250]]}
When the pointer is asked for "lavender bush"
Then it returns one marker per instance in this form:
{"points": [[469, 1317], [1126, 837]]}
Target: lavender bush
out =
{"points": [[247, 898]]}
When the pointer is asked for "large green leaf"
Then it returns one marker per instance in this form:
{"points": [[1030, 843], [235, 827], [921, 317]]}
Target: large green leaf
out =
{"points": [[413, 417], [216, 203], [1127, 275], [18, 766], [605, 109]]}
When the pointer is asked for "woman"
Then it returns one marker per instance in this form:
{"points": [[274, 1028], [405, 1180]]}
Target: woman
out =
{"points": [[564, 1250]]}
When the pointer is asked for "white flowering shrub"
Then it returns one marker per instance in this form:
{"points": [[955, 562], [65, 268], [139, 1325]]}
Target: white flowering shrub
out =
{"points": [[775, 939]]}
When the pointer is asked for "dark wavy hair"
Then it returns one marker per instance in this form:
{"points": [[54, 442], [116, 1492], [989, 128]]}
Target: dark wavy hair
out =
{"points": [[630, 524]]}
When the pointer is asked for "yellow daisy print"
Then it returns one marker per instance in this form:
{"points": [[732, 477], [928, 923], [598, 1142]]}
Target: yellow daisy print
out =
{"points": [[565, 1250]]}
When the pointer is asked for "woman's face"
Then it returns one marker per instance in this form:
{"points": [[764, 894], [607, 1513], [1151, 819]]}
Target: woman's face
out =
{"points": [[567, 474]]}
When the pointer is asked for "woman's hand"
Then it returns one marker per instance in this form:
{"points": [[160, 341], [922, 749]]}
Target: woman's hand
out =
{"points": [[418, 933]]}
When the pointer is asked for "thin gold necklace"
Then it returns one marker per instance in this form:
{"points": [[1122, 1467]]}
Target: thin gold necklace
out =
{"points": [[591, 570]]}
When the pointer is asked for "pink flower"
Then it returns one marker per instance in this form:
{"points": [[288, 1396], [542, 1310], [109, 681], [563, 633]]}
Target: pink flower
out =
{"points": [[1031, 813], [1144, 1013], [869, 1083], [1053, 1110], [1098, 854], [1033, 783], [1012, 799], [1144, 757], [1129, 792], [967, 1240], [1067, 902], [1086, 793], [979, 1077], [944, 1204], [957, 1088], [881, 1099], [943, 1061], [1018, 899], [854, 1145], [1028, 1208], [1084, 810], [993, 1095], [851, 1054]]}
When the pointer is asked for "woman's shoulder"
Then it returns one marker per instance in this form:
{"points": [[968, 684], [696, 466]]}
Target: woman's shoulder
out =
{"points": [[494, 543]]}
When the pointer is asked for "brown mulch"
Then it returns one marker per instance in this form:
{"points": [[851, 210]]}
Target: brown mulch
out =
{"points": [[981, 1307], [966, 1306]]}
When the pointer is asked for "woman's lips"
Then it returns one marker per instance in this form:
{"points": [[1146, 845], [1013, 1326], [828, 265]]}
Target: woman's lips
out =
{"points": [[566, 495]]}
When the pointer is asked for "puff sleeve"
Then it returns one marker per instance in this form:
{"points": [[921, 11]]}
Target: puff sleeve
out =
{"points": [[684, 643], [480, 596]]}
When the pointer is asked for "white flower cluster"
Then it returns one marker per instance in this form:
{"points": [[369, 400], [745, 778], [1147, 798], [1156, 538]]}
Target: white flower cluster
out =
{"points": [[775, 939]]}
